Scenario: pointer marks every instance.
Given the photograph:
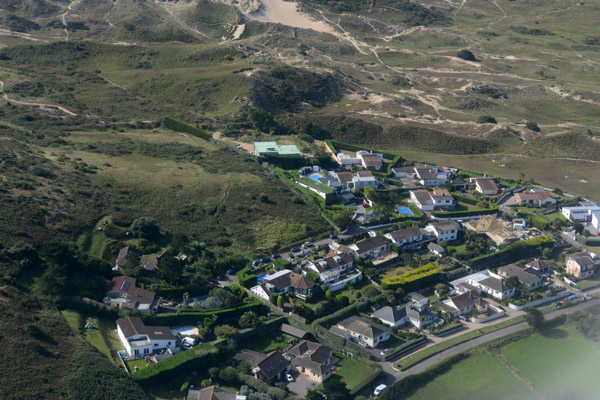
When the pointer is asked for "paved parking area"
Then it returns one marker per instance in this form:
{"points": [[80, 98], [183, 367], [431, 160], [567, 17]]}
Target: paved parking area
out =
{"points": [[301, 384]]}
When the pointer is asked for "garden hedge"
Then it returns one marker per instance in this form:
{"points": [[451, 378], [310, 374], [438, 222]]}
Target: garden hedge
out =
{"points": [[194, 315], [178, 291], [419, 277], [393, 164], [493, 208], [351, 147], [179, 126], [284, 161], [245, 279]]}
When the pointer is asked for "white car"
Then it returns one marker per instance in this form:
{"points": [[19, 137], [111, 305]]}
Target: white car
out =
{"points": [[587, 296], [384, 351], [289, 378], [363, 344], [379, 389]]}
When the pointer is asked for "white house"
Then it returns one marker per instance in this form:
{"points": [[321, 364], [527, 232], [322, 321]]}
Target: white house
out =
{"points": [[431, 176], [362, 330], [122, 293], [141, 340], [346, 160], [404, 172], [428, 201], [580, 213], [283, 282], [336, 271], [409, 238], [540, 199], [370, 247], [370, 161], [436, 249], [485, 281], [485, 186], [444, 231]]}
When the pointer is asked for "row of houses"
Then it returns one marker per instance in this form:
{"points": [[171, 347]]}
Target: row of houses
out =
{"points": [[368, 160]]}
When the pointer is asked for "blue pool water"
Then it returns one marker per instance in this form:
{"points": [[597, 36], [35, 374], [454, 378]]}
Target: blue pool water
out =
{"points": [[185, 330], [260, 278], [315, 177], [405, 211]]}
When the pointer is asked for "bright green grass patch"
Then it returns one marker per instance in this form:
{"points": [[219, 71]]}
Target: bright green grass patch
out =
{"points": [[272, 341], [355, 374], [555, 216], [136, 363], [479, 376], [558, 362], [103, 338]]}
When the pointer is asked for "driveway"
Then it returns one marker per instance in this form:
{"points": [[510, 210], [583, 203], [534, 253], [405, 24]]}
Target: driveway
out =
{"points": [[301, 384]]}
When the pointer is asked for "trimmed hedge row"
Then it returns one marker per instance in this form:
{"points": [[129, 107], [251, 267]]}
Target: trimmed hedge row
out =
{"points": [[351, 147], [331, 146], [393, 164], [513, 252], [422, 276], [179, 126], [284, 161], [245, 279], [192, 316], [411, 344], [193, 290], [199, 357], [355, 308], [454, 214]]}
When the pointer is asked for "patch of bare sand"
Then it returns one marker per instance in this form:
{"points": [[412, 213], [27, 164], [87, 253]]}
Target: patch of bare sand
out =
{"points": [[287, 13]]}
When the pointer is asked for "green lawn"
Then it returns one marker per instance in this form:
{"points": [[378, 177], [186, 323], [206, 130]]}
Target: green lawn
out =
{"points": [[136, 363], [559, 363], [272, 341], [355, 374], [480, 376], [554, 216], [103, 338]]}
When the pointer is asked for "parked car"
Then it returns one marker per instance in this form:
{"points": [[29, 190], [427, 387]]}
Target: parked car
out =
{"points": [[384, 352], [294, 250], [463, 318], [230, 272], [307, 245], [275, 256], [289, 378], [501, 308], [255, 263], [266, 260], [587, 296], [332, 236], [558, 304], [363, 344], [379, 389]]}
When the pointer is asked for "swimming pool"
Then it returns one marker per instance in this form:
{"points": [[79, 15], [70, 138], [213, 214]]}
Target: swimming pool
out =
{"points": [[261, 278], [405, 211], [314, 177], [186, 330]]}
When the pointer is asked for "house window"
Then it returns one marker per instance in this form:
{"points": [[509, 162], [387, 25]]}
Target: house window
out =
{"points": [[155, 344], [146, 351], [136, 352], [169, 343]]}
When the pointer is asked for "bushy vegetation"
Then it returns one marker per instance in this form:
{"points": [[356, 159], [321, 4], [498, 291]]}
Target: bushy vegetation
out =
{"points": [[245, 278], [179, 126], [486, 119], [513, 252], [466, 55], [417, 278], [95, 377]]}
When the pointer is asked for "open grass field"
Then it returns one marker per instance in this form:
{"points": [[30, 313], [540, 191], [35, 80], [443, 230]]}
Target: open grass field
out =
{"points": [[479, 375], [559, 363]]}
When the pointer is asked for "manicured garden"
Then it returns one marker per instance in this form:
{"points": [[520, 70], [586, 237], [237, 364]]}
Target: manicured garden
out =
{"points": [[103, 336], [355, 374], [269, 342]]}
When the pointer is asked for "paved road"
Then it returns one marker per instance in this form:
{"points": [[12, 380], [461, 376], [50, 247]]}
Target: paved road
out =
{"points": [[390, 376]]}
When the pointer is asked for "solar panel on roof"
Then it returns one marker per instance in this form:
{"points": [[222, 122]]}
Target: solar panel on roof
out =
{"points": [[125, 285]]}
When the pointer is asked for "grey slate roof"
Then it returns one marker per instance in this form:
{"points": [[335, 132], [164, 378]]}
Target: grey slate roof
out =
{"points": [[391, 314]]}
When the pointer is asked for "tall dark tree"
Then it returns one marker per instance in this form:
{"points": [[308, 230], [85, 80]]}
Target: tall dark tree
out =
{"points": [[534, 317]]}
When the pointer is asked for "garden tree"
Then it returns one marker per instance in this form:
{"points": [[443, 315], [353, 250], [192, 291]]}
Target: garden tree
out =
{"points": [[262, 120], [319, 310], [486, 119], [225, 331], [179, 241], [313, 394], [532, 126], [371, 272], [211, 321], [186, 298], [53, 281], [206, 383], [370, 291], [214, 372], [586, 233], [328, 294], [342, 300], [534, 317], [244, 368], [225, 296], [407, 259], [249, 319], [466, 55], [442, 289], [229, 374], [170, 269], [273, 298], [145, 227], [514, 281], [578, 226], [335, 389], [280, 301]]}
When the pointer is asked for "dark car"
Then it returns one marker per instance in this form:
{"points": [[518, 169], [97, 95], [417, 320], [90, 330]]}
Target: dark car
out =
{"points": [[332, 236], [230, 272], [275, 256], [294, 250], [255, 263], [266, 260]]}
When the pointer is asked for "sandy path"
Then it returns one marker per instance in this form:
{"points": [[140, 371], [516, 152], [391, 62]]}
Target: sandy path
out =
{"points": [[45, 107], [287, 13]]}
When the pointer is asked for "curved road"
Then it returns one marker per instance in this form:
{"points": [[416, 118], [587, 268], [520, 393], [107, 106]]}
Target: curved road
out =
{"points": [[390, 376]]}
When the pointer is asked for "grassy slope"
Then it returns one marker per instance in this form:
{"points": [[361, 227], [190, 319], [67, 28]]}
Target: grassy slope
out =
{"points": [[473, 377], [559, 363]]}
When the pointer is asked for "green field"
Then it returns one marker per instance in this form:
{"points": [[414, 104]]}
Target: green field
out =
{"points": [[479, 376], [559, 363], [355, 374], [103, 338]]}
